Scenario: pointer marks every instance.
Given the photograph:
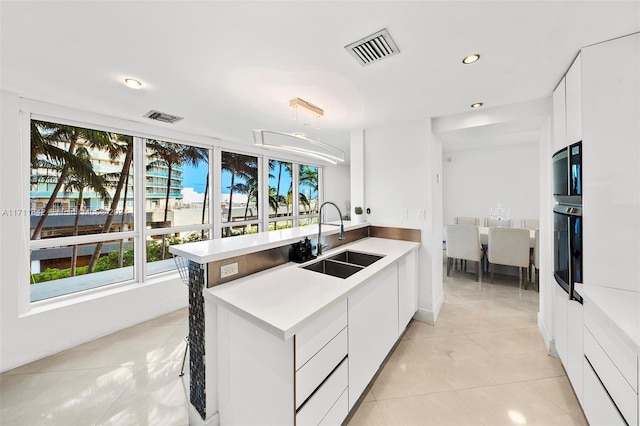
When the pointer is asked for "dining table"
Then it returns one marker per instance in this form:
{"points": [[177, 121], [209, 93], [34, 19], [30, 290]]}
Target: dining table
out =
{"points": [[484, 236]]}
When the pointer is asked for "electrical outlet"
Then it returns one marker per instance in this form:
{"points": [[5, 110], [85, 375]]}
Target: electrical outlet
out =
{"points": [[228, 270], [422, 214], [404, 213]]}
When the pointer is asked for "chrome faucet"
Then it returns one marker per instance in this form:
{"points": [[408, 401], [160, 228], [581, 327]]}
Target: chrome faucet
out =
{"points": [[340, 236]]}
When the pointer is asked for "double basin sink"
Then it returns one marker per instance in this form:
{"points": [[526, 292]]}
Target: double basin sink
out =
{"points": [[344, 264]]}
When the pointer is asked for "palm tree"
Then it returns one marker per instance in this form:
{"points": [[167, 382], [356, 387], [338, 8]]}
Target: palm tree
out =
{"points": [[273, 200], [76, 182], [45, 138], [205, 157], [172, 155], [251, 189], [120, 145], [308, 176], [242, 166]]}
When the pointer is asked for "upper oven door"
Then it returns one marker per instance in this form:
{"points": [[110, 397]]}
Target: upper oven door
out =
{"points": [[561, 174], [575, 169]]}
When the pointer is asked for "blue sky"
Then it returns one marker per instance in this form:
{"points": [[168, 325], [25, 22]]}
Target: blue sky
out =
{"points": [[195, 177]]}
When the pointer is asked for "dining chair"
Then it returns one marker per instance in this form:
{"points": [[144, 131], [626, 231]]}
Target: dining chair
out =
{"points": [[535, 260], [466, 220], [531, 224], [509, 246], [463, 242], [505, 223]]}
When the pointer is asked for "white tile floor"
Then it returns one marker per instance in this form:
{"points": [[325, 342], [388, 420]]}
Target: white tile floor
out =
{"points": [[484, 363]]}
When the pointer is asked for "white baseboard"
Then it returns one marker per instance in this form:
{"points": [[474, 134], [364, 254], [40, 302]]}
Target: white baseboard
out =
{"points": [[429, 316], [549, 343]]}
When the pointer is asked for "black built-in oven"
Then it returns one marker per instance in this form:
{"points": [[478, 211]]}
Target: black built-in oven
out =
{"points": [[567, 175], [567, 241]]}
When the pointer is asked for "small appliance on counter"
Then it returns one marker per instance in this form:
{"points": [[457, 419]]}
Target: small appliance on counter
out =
{"points": [[301, 251]]}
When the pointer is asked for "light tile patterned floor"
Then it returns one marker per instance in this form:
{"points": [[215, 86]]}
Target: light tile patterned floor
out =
{"points": [[484, 363], [127, 378]]}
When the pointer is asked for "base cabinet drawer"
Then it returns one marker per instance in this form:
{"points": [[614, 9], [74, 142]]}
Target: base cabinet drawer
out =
{"points": [[623, 395], [338, 412], [598, 406], [328, 405], [316, 335], [316, 370]]}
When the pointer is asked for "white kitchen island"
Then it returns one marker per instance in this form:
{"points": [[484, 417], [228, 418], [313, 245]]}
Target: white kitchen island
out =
{"points": [[293, 346]]}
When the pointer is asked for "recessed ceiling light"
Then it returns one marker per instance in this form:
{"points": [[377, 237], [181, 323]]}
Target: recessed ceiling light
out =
{"points": [[476, 105], [469, 59], [133, 83]]}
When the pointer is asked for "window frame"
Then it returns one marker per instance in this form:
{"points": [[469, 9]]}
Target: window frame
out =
{"points": [[36, 110], [260, 175], [295, 181]]}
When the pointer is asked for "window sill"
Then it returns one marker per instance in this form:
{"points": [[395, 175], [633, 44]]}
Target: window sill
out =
{"points": [[67, 300]]}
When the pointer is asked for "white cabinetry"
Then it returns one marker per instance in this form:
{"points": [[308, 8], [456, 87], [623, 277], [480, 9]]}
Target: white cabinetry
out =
{"points": [[373, 328], [574, 102], [610, 372], [255, 369], [321, 348], [275, 377], [611, 155], [559, 116], [317, 375], [407, 289], [560, 307], [574, 365]]}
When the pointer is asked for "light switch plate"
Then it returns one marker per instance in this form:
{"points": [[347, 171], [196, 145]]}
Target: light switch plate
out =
{"points": [[422, 214], [228, 270]]}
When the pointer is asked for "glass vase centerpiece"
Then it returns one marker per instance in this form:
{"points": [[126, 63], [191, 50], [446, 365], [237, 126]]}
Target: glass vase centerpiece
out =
{"points": [[500, 214]]}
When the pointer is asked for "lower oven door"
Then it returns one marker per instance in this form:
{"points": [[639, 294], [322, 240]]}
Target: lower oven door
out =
{"points": [[567, 247]]}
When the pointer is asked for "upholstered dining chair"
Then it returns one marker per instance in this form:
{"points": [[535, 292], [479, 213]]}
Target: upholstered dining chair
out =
{"points": [[531, 223], [466, 220], [463, 242], [505, 223], [535, 260], [509, 246]]}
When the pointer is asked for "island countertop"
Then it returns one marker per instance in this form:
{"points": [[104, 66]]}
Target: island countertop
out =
{"points": [[621, 308], [223, 248], [283, 299]]}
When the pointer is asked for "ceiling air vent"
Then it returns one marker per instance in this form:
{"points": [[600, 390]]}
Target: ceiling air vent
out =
{"points": [[161, 116], [373, 48]]}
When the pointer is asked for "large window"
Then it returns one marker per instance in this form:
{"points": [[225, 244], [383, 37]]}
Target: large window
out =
{"points": [[280, 195], [106, 206], [239, 194], [308, 194], [82, 198], [177, 199]]}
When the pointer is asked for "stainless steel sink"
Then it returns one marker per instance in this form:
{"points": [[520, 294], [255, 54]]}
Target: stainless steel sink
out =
{"points": [[344, 264], [336, 269], [356, 258]]}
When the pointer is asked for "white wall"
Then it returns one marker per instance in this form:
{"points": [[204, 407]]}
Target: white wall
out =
{"points": [[476, 180], [31, 333], [547, 281], [336, 189], [400, 164]]}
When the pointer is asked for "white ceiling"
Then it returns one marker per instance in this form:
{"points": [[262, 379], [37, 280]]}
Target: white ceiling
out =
{"points": [[228, 67]]}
